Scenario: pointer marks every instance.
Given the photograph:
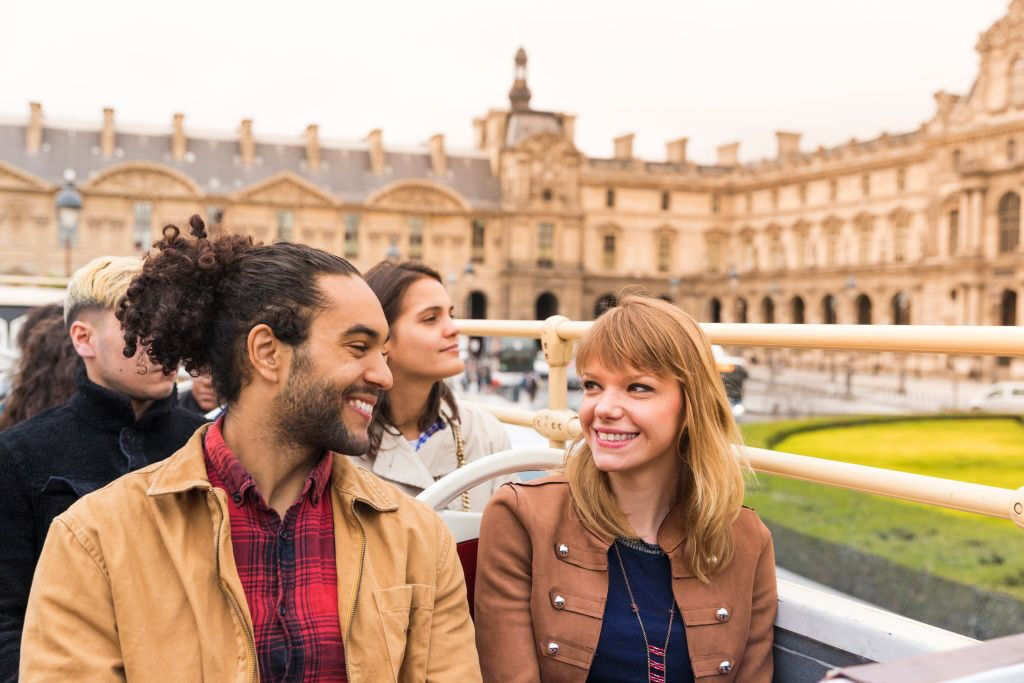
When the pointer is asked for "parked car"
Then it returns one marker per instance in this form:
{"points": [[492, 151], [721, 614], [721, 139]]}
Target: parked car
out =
{"points": [[1001, 397], [733, 371]]}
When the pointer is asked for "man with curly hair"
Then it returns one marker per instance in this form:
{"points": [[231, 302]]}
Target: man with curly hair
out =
{"points": [[123, 416], [258, 550]]}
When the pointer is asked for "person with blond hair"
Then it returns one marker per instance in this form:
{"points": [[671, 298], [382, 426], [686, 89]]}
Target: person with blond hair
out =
{"points": [[123, 416], [638, 561]]}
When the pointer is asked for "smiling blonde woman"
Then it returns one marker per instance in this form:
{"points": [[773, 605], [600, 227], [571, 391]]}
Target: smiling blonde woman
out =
{"points": [[639, 561]]}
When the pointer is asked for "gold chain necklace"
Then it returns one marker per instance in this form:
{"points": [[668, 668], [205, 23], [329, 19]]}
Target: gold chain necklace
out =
{"points": [[656, 671]]}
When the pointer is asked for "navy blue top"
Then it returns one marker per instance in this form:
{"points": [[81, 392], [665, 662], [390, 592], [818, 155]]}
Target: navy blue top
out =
{"points": [[620, 652]]}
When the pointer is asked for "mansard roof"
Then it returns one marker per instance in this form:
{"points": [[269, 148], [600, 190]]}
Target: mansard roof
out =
{"points": [[215, 165]]}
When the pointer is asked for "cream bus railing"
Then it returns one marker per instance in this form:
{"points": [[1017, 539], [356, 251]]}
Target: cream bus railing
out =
{"points": [[559, 424]]}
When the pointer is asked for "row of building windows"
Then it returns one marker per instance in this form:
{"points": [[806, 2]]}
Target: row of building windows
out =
{"points": [[899, 310], [142, 231], [833, 193]]}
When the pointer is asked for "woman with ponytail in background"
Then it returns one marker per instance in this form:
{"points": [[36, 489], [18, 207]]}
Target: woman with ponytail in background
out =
{"points": [[637, 563], [420, 432]]}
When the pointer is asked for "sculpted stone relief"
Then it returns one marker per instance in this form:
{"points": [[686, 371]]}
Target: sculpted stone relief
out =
{"points": [[14, 181], [286, 192], [143, 183], [417, 199]]}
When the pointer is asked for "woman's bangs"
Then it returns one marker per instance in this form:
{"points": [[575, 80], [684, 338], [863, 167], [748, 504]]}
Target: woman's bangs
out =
{"points": [[625, 338]]}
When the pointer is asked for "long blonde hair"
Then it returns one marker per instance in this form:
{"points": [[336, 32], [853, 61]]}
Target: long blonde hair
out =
{"points": [[654, 336]]}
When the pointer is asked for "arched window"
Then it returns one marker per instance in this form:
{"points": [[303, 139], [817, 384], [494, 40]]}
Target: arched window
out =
{"points": [[828, 310], [1017, 83], [767, 310], [863, 310], [609, 198], [900, 309], [1008, 307], [605, 302], [476, 309], [1007, 316], [741, 310], [477, 305], [1009, 222], [797, 306], [546, 306], [715, 310]]}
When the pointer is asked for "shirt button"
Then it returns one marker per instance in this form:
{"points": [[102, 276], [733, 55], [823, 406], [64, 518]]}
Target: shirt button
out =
{"points": [[237, 497], [281, 609]]}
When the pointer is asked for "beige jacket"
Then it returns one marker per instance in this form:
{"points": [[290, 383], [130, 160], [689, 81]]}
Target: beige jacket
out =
{"points": [[542, 582], [412, 471], [137, 581]]}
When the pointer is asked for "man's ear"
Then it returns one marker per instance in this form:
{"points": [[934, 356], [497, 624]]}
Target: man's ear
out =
{"points": [[83, 338], [268, 355]]}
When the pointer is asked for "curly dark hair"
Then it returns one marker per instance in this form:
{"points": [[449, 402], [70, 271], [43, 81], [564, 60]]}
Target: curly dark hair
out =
{"points": [[390, 281], [46, 372], [196, 299]]}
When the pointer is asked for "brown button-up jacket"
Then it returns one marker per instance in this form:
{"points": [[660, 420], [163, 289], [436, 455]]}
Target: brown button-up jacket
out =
{"points": [[542, 581]]}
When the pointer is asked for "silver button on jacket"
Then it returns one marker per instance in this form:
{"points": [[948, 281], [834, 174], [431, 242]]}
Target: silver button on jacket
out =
{"points": [[563, 550], [722, 614], [724, 668], [559, 602], [553, 649]]}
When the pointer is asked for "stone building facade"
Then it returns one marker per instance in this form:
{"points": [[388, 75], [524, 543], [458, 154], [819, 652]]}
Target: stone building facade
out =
{"points": [[919, 227]]}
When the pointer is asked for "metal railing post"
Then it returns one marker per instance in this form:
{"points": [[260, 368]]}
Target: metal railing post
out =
{"points": [[558, 353]]}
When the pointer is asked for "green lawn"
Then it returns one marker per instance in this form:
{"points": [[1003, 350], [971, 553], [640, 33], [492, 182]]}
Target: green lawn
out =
{"points": [[959, 546]]}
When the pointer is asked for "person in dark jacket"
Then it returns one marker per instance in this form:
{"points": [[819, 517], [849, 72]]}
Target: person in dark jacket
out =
{"points": [[124, 416], [201, 398]]}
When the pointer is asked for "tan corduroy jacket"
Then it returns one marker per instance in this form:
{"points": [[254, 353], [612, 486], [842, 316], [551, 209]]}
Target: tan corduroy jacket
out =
{"points": [[137, 581], [542, 582]]}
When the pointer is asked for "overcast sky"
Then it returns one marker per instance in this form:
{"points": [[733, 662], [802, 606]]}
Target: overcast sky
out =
{"points": [[715, 71]]}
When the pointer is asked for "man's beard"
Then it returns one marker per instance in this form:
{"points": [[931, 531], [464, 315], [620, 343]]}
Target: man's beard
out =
{"points": [[309, 411]]}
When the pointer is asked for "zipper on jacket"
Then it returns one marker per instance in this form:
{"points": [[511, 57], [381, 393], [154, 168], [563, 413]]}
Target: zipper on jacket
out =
{"points": [[249, 638], [355, 592]]}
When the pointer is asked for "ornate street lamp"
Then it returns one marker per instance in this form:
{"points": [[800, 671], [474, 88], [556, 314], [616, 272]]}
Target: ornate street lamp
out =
{"points": [[69, 207]]}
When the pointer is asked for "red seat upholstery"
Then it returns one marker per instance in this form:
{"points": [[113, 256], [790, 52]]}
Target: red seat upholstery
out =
{"points": [[467, 555]]}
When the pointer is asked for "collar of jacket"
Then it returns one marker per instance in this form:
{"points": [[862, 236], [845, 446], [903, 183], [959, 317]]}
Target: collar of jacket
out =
{"points": [[186, 470], [111, 411], [671, 534]]}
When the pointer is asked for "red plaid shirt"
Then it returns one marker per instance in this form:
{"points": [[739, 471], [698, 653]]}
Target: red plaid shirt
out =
{"points": [[287, 567]]}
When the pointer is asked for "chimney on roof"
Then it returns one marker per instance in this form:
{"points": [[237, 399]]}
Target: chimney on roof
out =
{"points": [[676, 151], [729, 155], [245, 143], [789, 144], [569, 127], [34, 134], [107, 134], [376, 151], [313, 147], [438, 160], [178, 142], [624, 146]]}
